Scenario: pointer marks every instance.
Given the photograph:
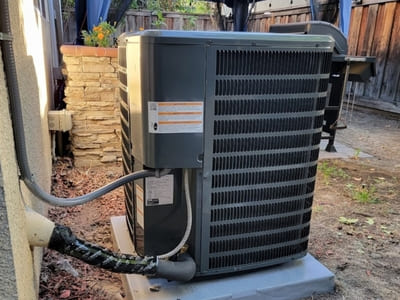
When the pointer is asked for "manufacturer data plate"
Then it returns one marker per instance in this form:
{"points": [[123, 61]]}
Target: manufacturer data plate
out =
{"points": [[160, 191]]}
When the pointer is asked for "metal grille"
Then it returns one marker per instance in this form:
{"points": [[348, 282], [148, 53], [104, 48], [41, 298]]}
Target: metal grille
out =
{"points": [[261, 153], [126, 136]]}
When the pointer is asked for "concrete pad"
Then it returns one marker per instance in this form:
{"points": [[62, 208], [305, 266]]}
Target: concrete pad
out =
{"points": [[342, 151], [294, 280]]}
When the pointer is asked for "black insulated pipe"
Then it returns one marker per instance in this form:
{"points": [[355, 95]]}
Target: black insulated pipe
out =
{"points": [[64, 241]]}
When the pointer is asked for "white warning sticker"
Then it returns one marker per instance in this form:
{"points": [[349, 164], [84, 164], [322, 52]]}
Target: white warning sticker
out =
{"points": [[175, 117], [160, 191], [139, 205]]}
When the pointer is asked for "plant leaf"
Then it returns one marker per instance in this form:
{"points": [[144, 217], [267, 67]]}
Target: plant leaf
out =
{"points": [[370, 221], [347, 221]]}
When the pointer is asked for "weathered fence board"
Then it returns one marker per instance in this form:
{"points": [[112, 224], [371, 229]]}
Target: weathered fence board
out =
{"points": [[382, 37], [392, 71], [355, 22], [375, 30]]}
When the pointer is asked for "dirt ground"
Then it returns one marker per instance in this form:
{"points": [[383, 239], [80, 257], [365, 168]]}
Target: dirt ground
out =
{"points": [[355, 229]]}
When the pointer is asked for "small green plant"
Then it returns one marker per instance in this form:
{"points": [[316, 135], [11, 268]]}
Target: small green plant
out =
{"points": [[329, 171], [385, 230], [318, 208], [366, 194], [347, 221], [363, 193], [370, 221], [100, 36], [357, 154]]}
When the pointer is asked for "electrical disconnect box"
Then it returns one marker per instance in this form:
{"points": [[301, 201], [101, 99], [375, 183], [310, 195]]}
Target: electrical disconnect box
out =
{"points": [[243, 112], [59, 120]]}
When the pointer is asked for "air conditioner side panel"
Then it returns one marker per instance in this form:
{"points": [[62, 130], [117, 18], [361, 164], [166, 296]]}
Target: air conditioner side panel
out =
{"points": [[172, 76]]}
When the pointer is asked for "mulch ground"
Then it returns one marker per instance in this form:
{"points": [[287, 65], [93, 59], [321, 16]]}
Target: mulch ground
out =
{"points": [[68, 278]]}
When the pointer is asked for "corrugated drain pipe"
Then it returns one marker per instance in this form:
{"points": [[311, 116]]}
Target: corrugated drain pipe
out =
{"points": [[43, 232]]}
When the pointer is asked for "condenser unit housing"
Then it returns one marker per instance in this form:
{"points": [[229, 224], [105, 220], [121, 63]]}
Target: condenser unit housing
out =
{"points": [[243, 112]]}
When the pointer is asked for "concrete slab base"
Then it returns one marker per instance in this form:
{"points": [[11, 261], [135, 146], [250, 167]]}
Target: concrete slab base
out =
{"points": [[294, 280], [342, 151]]}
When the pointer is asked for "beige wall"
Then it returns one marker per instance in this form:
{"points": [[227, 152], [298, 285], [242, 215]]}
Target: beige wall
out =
{"points": [[30, 33]]}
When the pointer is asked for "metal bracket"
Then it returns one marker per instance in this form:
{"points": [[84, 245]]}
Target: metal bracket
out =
{"points": [[5, 37]]}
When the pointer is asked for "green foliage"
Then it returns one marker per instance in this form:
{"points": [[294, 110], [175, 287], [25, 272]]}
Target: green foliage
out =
{"points": [[66, 4], [134, 5], [347, 221], [160, 22], [190, 23], [357, 154], [363, 193], [203, 7], [317, 208], [385, 230], [181, 6], [370, 221], [100, 36], [329, 171]]}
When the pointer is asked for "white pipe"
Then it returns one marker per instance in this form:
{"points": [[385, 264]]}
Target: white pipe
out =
{"points": [[39, 228], [189, 219]]}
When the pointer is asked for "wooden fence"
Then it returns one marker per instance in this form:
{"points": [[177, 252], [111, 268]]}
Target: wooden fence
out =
{"points": [[374, 30], [139, 20]]}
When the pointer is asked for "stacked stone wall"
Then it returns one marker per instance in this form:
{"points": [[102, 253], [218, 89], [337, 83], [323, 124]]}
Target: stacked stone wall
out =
{"points": [[92, 96]]}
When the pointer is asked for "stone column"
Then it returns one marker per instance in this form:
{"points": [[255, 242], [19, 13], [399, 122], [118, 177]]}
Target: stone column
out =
{"points": [[92, 96]]}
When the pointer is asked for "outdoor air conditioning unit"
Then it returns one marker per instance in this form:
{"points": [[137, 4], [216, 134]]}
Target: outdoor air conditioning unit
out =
{"points": [[244, 112]]}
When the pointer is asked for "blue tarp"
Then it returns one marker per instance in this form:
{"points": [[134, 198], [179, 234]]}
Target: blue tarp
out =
{"points": [[89, 13], [345, 14], [97, 11], [313, 10]]}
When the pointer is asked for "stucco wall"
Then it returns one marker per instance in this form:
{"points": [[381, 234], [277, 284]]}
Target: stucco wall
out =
{"points": [[8, 287], [30, 38]]}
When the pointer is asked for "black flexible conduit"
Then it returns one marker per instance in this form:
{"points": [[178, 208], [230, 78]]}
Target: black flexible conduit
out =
{"points": [[62, 239], [65, 242]]}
